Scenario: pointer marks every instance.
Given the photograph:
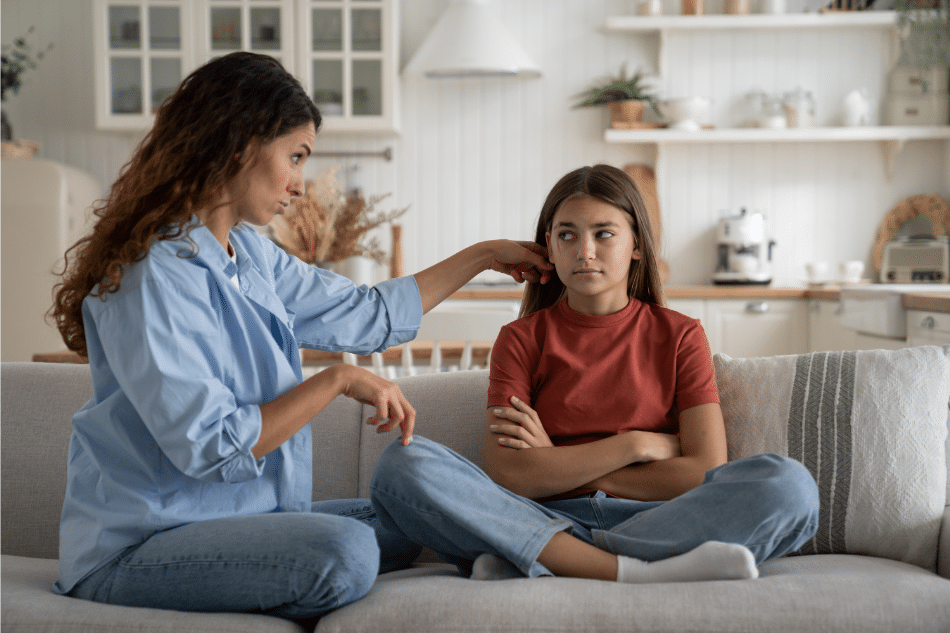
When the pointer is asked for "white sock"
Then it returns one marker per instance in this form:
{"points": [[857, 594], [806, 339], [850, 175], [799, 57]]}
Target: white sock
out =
{"points": [[491, 567], [710, 561]]}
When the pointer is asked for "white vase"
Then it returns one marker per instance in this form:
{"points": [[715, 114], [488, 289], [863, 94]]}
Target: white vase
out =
{"points": [[360, 270]]}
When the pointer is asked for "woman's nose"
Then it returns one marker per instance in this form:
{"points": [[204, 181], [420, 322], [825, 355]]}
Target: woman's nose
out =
{"points": [[296, 186]]}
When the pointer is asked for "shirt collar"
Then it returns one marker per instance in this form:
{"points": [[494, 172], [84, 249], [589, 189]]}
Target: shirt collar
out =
{"points": [[210, 250]]}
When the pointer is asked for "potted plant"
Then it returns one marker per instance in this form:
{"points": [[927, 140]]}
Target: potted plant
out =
{"points": [[923, 28], [625, 97], [327, 227], [17, 59]]}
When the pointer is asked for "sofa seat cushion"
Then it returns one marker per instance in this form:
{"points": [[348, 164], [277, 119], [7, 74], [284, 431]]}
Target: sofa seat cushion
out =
{"points": [[828, 593], [30, 606]]}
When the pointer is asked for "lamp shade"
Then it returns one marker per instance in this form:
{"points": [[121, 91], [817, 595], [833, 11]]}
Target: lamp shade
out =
{"points": [[469, 41]]}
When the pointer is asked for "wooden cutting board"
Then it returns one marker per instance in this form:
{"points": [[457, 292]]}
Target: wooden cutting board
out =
{"points": [[645, 180]]}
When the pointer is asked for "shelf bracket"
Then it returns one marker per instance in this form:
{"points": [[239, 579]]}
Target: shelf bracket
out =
{"points": [[890, 149]]}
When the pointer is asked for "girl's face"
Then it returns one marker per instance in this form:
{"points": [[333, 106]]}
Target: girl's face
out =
{"points": [[591, 244], [272, 176]]}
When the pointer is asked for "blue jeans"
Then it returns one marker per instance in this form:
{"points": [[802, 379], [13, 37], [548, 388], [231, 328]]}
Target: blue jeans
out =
{"points": [[296, 565], [435, 497]]}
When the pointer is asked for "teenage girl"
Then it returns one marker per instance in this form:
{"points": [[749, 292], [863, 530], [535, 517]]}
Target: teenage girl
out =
{"points": [[605, 442]]}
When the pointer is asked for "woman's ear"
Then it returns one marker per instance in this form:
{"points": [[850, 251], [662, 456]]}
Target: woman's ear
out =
{"points": [[547, 244]]}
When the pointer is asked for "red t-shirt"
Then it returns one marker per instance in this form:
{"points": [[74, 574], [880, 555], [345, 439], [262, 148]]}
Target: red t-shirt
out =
{"points": [[589, 377]]}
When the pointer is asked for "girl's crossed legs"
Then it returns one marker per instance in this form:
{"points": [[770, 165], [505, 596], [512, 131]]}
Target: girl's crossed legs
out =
{"points": [[767, 505]]}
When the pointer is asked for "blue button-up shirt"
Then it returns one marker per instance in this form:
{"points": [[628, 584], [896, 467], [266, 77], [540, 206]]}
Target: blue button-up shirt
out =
{"points": [[182, 358]]}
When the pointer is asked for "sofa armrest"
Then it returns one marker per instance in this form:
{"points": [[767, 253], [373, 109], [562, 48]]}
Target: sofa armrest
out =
{"points": [[943, 546]]}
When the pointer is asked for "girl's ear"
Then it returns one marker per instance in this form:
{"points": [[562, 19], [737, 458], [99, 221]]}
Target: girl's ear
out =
{"points": [[547, 244]]}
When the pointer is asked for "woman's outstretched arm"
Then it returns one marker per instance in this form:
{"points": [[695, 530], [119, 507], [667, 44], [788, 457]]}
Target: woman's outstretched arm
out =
{"points": [[524, 261]]}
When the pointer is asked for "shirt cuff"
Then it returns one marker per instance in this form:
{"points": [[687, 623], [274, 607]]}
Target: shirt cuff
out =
{"points": [[403, 304]]}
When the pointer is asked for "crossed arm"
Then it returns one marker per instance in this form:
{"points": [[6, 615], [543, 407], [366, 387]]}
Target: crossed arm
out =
{"points": [[634, 465]]}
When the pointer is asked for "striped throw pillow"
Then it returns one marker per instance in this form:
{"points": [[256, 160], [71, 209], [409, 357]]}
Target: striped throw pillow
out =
{"points": [[871, 426]]}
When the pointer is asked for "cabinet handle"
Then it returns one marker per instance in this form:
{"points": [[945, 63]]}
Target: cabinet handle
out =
{"points": [[928, 323], [757, 307]]}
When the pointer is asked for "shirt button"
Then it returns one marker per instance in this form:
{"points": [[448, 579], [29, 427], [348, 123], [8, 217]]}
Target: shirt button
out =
{"points": [[244, 286]]}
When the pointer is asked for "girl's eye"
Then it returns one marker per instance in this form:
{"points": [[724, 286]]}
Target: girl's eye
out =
{"points": [[565, 236], [602, 235], [297, 158]]}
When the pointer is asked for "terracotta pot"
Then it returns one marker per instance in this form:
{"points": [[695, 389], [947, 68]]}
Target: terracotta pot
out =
{"points": [[625, 111]]}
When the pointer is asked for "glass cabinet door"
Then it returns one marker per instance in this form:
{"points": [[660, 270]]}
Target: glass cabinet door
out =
{"points": [[144, 53], [261, 26], [349, 61]]}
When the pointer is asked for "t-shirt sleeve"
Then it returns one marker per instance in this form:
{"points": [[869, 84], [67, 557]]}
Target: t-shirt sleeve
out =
{"points": [[695, 374], [512, 362]]}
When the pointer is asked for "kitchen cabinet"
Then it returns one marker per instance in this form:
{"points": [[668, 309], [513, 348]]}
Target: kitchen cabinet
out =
{"points": [[347, 60], [747, 328], [891, 138], [927, 328], [143, 49], [343, 52], [825, 331]]}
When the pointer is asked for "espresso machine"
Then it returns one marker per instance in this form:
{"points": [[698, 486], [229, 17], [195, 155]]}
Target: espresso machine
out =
{"points": [[744, 251]]}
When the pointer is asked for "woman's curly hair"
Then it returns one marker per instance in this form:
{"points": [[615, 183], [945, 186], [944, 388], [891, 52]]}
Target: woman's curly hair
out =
{"points": [[223, 108]]}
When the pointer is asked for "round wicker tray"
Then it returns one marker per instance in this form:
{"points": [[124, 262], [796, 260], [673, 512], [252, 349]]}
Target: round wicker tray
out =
{"points": [[932, 206]]}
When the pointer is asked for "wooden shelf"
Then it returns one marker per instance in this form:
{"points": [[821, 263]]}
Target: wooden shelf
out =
{"points": [[897, 133], [847, 19]]}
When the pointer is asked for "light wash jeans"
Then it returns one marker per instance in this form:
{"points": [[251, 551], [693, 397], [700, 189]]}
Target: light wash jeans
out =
{"points": [[296, 565], [436, 497]]}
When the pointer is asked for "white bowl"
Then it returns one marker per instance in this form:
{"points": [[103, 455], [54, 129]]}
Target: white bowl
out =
{"points": [[683, 109]]}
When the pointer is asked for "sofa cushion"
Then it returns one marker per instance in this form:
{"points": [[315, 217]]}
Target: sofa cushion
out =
{"points": [[30, 606], [37, 404], [871, 427], [794, 595]]}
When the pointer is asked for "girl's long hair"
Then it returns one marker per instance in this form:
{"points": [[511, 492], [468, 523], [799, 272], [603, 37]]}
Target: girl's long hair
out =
{"points": [[616, 188], [229, 105]]}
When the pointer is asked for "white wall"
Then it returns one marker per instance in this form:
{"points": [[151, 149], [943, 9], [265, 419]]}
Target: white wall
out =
{"points": [[475, 158]]}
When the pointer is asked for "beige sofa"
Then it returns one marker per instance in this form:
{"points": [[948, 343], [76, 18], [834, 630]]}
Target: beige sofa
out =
{"points": [[826, 592]]}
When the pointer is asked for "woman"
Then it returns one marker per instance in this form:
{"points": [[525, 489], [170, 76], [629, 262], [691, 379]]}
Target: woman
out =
{"points": [[189, 482], [605, 444]]}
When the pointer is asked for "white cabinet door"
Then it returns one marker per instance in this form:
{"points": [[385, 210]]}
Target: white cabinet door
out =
{"points": [[745, 328], [825, 332], [259, 26], [346, 59], [927, 328], [143, 49]]}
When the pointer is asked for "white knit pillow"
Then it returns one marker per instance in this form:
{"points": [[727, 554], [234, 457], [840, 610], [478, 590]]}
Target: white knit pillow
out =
{"points": [[871, 426]]}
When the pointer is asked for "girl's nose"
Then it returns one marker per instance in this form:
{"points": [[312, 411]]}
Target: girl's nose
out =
{"points": [[586, 248]]}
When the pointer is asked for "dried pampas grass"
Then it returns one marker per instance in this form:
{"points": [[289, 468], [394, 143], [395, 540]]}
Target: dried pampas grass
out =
{"points": [[326, 225]]}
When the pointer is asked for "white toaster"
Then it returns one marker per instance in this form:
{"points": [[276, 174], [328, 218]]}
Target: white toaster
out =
{"points": [[915, 260]]}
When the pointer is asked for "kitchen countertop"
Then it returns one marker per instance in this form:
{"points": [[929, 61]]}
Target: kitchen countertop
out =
{"points": [[932, 301], [511, 291]]}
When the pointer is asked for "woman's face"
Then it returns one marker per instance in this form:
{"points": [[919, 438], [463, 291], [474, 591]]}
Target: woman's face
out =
{"points": [[591, 244], [272, 176]]}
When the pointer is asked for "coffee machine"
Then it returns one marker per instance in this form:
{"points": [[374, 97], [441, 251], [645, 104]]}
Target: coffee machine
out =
{"points": [[744, 251]]}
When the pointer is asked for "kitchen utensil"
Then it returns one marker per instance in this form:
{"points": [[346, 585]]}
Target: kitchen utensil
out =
{"points": [[799, 108], [744, 251], [771, 6], [737, 7], [856, 108], [688, 113], [645, 180], [851, 271], [693, 7], [816, 272], [650, 7]]}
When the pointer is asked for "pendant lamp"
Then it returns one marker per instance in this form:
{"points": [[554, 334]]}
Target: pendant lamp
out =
{"points": [[470, 41]]}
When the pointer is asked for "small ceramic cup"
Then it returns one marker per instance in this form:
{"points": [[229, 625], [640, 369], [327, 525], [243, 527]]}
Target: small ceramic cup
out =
{"points": [[851, 271], [816, 272]]}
